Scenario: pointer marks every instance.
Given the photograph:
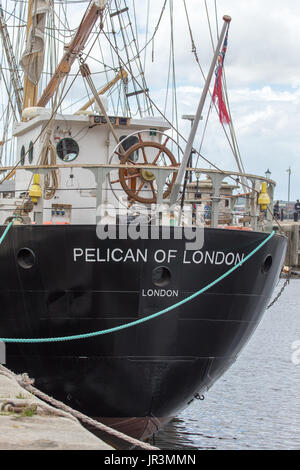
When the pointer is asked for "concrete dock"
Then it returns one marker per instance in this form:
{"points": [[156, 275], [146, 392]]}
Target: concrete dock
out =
{"points": [[28, 423]]}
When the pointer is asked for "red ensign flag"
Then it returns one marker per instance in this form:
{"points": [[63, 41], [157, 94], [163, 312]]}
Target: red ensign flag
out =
{"points": [[217, 93]]}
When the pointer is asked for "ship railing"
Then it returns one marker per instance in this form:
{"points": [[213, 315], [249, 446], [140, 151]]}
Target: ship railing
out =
{"points": [[255, 218]]}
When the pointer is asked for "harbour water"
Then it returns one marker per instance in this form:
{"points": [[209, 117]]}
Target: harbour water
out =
{"points": [[255, 405]]}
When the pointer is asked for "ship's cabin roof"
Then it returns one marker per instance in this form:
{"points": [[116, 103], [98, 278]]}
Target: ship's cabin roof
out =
{"points": [[155, 122]]}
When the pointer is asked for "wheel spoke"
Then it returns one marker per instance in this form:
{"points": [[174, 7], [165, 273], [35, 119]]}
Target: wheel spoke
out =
{"points": [[140, 187], [160, 151], [131, 174], [157, 157], [143, 148], [144, 155], [125, 178], [165, 142]]}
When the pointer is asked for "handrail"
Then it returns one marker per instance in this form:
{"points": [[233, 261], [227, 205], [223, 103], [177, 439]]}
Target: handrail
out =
{"points": [[138, 166], [216, 177]]}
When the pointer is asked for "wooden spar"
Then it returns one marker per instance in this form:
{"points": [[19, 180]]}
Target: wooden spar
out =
{"points": [[121, 75], [189, 145], [73, 49], [30, 89], [85, 71]]}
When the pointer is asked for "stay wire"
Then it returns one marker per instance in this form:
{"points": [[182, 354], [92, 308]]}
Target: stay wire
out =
{"points": [[194, 50], [54, 112], [185, 140]]}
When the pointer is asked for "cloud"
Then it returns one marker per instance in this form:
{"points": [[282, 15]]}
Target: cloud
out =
{"points": [[262, 75]]}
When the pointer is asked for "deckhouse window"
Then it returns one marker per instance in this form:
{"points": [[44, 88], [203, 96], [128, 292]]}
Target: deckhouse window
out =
{"points": [[22, 159], [30, 152], [67, 149], [129, 142]]}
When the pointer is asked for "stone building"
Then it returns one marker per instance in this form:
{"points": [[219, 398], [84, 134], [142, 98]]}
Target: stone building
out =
{"points": [[200, 192]]}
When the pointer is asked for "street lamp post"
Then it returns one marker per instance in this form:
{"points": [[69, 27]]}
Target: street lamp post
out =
{"points": [[197, 174], [268, 174], [289, 189]]}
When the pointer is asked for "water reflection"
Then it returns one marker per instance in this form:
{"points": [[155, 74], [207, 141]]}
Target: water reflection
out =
{"points": [[255, 405], [176, 435]]}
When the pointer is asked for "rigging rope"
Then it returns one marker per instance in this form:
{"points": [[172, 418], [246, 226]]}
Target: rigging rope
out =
{"points": [[51, 118], [148, 97], [234, 148], [124, 65], [141, 320], [194, 50]]}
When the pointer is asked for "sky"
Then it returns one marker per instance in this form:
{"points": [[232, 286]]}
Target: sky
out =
{"points": [[262, 69]]}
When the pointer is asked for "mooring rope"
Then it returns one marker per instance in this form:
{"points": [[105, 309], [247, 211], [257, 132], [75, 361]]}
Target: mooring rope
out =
{"points": [[27, 383], [6, 231], [141, 320]]}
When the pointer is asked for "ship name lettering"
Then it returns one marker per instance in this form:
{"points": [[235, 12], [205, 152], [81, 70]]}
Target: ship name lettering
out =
{"points": [[117, 255], [162, 256], [159, 293], [212, 257]]}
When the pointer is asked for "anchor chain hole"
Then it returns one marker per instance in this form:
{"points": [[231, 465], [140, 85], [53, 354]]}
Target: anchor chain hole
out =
{"points": [[26, 258], [267, 264], [161, 276]]}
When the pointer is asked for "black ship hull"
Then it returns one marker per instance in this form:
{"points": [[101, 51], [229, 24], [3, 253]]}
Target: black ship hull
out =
{"points": [[62, 280]]}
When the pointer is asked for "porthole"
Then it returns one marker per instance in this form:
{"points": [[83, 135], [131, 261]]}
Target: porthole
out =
{"points": [[267, 264], [26, 258], [67, 149], [30, 152], [161, 276], [22, 159]]}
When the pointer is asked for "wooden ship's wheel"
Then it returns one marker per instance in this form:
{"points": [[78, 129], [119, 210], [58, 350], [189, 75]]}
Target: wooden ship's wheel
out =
{"points": [[140, 183]]}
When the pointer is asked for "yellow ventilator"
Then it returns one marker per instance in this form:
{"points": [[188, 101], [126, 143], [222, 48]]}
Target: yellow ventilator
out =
{"points": [[263, 198], [35, 191]]}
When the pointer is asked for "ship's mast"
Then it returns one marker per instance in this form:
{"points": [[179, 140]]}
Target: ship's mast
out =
{"points": [[30, 89], [74, 48], [11, 60]]}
